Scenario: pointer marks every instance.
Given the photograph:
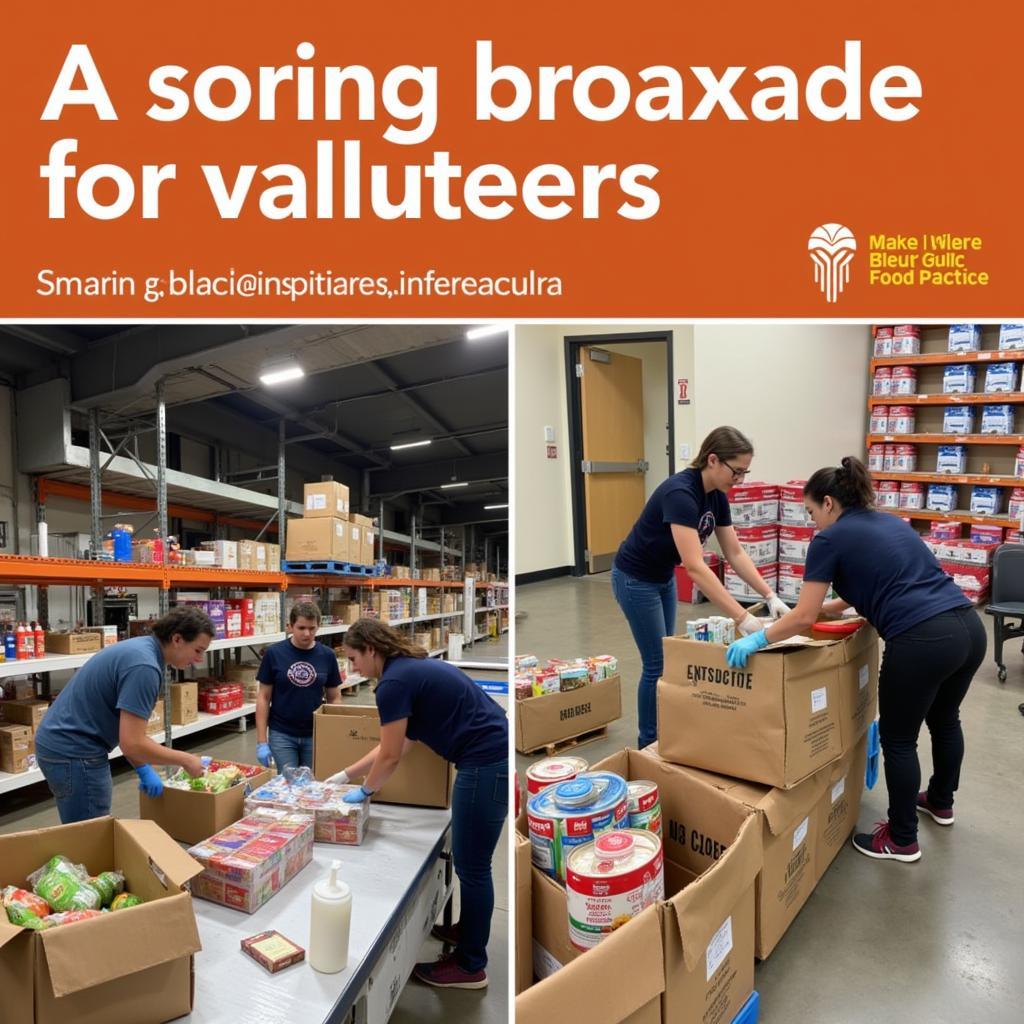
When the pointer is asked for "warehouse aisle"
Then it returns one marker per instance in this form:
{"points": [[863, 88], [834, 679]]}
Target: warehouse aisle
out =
{"points": [[935, 941]]}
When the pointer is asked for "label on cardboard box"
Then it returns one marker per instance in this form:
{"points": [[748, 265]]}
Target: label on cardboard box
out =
{"points": [[839, 789], [719, 947], [819, 700], [801, 832], [544, 964], [316, 501], [862, 677]]}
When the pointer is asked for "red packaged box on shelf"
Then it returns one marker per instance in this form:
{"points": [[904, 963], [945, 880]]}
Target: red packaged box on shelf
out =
{"points": [[760, 542], [791, 504], [794, 542], [754, 504], [969, 551], [973, 580]]}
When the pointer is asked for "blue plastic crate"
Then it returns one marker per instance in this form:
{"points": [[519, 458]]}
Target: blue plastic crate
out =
{"points": [[748, 1015]]}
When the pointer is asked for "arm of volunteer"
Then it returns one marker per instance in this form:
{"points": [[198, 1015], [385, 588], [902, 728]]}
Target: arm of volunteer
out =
{"points": [[333, 694], [834, 608], [741, 561], [263, 754], [690, 551], [802, 617], [389, 753]]}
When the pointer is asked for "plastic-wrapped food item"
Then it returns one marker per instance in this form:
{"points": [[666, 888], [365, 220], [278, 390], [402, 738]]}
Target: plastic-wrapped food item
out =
{"points": [[17, 914], [108, 884], [28, 900], [300, 776], [71, 916], [65, 886], [126, 899]]}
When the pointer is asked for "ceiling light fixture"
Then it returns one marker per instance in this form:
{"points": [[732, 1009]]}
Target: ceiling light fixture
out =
{"points": [[486, 331], [448, 487], [410, 444], [282, 370], [487, 508]]}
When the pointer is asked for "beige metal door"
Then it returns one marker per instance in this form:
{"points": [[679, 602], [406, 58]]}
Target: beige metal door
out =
{"points": [[612, 402]]}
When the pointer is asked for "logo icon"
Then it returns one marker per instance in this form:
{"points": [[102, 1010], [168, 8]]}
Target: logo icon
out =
{"points": [[832, 247], [301, 673]]}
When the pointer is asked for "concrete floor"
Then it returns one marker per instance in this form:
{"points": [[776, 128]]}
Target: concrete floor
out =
{"points": [[940, 940], [33, 807]]}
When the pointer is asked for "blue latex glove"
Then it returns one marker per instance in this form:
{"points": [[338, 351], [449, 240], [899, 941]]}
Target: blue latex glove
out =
{"points": [[874, 756], [740, 650], [357, 796], [149, 782], [263, 754]]}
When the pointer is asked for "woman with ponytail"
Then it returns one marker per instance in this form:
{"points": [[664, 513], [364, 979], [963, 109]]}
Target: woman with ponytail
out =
{"points": [[934, 643], [430, 701]]}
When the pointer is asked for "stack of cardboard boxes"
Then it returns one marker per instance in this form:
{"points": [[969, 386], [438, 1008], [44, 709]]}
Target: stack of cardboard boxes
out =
{"points": [[328, 530], [20, 719]]}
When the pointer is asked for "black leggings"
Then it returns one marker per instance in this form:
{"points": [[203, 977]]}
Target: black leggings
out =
{"points": [[924, 677]]}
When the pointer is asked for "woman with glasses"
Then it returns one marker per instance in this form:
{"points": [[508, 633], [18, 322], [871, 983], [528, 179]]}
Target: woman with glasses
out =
{"points": [[679, 517]]}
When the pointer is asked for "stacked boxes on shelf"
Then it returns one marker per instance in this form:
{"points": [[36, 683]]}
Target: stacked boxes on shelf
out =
{"points": [[324, 533], [755, 517]]}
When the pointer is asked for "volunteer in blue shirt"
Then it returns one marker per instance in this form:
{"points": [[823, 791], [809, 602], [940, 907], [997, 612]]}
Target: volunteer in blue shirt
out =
{"points": [[934, 643], [679, 517], [108, 703], [294, 676], [421, 699]]}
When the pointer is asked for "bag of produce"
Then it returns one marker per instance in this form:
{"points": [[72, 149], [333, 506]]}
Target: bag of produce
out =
{"points": [[14, 896], [126, 899], [71, 916], [65, 886], [108, 884]]}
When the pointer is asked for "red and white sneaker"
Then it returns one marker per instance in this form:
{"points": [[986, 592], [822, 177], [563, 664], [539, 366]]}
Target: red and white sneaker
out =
{"points": [[940, 815], [879, 844], [446, 973]]}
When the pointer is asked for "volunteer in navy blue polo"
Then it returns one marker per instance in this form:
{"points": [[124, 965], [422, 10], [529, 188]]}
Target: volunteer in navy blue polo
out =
{"points": [[433, 702], [677, 521], [296, 675], [934, 643]]}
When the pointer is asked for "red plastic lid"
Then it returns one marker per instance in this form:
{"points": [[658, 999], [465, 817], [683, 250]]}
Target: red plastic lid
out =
{"points": [[839, 628]]}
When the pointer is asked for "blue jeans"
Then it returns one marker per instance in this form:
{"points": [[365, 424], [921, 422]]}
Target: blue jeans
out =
{"points": [[290, 751], [479, 809], [650, 610], [83, 786]]}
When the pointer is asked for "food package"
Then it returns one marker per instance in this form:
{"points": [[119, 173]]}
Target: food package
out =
{"points": [[125, 900], [25, 908], [65, 886], [109, 884], [334, 821], [71, 916]]}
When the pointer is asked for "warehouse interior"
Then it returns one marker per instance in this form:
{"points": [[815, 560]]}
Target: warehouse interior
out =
{"points": [[936, 940]]}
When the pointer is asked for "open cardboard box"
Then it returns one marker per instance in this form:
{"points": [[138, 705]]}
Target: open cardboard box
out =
{"points": [[790, 712], [524, 913], [132, 966], [561, 716], [343, 734]]}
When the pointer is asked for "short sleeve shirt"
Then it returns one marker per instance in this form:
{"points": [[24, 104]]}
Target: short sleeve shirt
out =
{"points": [[299, 679]]}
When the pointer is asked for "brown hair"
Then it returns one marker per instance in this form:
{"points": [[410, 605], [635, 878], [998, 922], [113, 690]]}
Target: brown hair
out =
{"points": [[304, 610], [726, 443], [849, 484], [186, 621], [388, 642]]}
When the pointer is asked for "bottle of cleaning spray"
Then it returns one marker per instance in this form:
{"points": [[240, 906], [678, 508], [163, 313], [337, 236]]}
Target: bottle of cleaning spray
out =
{"points": [[329, 921]]}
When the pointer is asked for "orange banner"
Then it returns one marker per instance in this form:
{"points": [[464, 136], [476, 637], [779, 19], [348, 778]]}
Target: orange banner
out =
{"points": [[545, 160]]}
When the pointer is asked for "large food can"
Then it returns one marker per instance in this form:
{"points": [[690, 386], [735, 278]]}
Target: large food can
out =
{"points": [[883, 341], [552, 770], [901, 419], [882, 383], [610, 881], [887, 494], [876, 458], [911, 496], [880, 419], [572, 813], [644, 806], [904, 381], [904, 458]]}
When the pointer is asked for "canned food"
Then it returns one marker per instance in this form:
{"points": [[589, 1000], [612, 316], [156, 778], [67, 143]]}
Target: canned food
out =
{"points": [[888, 494], [883, 341], [882, 383], [880, 419], [901, 419], [610, 881], [904, 458], [876, 458], [904, 381], [550, 771], [912, 496], [644, 805], [888, 457]]}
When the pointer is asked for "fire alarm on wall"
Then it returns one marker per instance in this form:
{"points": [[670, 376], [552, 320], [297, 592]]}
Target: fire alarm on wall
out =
{"points": [[552, 451]]}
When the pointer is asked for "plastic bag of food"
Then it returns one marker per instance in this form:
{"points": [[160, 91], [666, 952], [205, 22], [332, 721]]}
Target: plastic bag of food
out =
{"points": [[17, 914], [13, 896], [65, 886], [126, 899], [300, 776], [71, 916], [108, 884]]}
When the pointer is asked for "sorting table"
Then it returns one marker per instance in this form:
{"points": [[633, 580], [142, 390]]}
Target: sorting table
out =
{"points": [[401, 880]]}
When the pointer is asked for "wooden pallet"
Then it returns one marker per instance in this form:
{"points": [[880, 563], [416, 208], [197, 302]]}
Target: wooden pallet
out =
{"points": [[561, 746], [321, 567]]}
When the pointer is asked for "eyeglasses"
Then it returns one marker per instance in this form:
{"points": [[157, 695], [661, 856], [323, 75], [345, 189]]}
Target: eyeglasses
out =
{"points": [[738, 474]]}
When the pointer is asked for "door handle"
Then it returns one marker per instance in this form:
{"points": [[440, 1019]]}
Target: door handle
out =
{"points": [[594, 466]]}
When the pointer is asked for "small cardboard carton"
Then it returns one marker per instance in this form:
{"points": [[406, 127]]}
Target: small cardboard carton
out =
{"points": [[324, 499], [156, 719], [108, 970], [524, 911], [247, 555], [191, 816], [355, 544], [778, 720], [840, 805], [368, 538], [225, 552], [321, 539], [273, 557], [346, 611], [343, 734], [72, 643], [25, 712], [108, 634], [14, 690], [15, 746], [184, 703], [560, 716]]}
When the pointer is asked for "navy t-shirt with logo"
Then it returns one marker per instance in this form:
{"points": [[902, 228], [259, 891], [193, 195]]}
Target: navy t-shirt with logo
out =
{"points": [[299, 679], [880, 565], [444, 709], [649, 553]]}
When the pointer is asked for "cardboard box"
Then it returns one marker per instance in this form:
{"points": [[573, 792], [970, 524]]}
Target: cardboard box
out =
{"points": [[156, 719], [225, 552], [705, 926], [184, 703], [247, 555], [200, 557], [560, 716], [72, 643], [107, 634], [524, 911], [778, 720], [16, 744], [190, 816], [25, 712], [103, 971], [273, 558], [13, 690], [346, 611], [840, 805], [355, 544], [325, 499], [322, 539], [343, 734]]}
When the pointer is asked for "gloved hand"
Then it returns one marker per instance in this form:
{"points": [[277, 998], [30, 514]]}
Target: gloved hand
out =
{"points": [[776, 606], [263, 754], [740, 650], [748, 624], [338, 778], [149, 782], [357, 796]]}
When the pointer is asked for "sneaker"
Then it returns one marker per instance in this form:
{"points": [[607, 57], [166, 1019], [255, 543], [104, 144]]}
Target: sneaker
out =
{"points": [[879, 844], [446, 973], [448, 934], [942, 816]]}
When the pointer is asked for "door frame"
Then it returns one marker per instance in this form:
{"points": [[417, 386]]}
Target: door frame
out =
{"points": [[574, 405]]}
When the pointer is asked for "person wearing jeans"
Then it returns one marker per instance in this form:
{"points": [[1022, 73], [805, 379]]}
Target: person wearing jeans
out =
{"points": [[295, 676], [108, 703], [679, 517], [934, 643], [420, 699]]}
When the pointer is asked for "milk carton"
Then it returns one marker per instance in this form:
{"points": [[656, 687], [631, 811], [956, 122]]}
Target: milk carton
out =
{"points": [[958, 419], [1011, 336], [942, 497], [964, 337], [997, 419], [958, 379], [952, 458], [1001, 377], [986, 501]]}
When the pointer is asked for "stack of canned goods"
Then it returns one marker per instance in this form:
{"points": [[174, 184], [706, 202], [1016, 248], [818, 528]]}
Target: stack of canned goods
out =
{"points": [[716, 629]]}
